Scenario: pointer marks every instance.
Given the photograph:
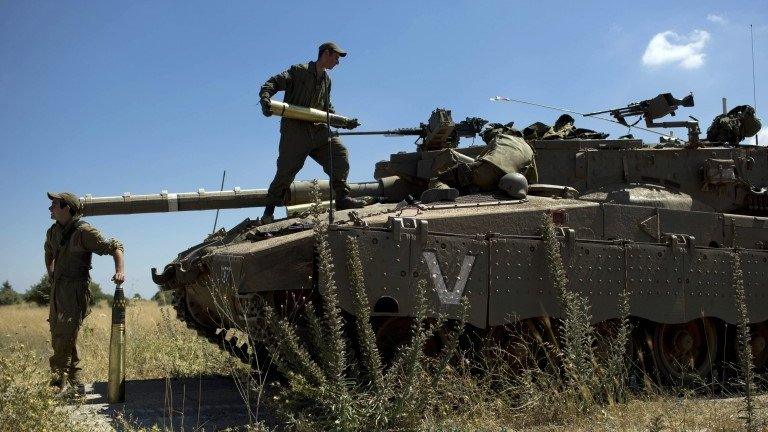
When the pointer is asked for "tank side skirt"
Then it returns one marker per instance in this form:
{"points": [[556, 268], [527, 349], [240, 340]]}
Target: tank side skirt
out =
{"points": [[668, 283]]}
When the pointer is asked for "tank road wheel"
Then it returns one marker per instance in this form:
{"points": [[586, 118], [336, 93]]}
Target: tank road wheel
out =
{"points": [[394, 332], [685, 352], [759, 341], [391, 334]]}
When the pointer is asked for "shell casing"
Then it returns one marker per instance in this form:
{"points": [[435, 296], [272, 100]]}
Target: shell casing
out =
{"points": [[116, 382], [116, 379], [297, 112]]}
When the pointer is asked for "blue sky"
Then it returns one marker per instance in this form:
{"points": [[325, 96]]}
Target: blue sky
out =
{"points": [[110, 97]]}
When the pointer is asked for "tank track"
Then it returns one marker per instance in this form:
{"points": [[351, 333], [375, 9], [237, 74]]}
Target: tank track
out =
{"points": [[232, 346]]}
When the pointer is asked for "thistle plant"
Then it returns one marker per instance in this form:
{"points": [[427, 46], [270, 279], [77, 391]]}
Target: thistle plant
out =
{"points": [[576, 335], [584, 373], [746, 365], [328, 385]]}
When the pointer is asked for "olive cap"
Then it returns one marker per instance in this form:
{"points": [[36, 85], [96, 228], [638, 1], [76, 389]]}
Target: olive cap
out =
{"points": [[333, 47], [68, 197]]}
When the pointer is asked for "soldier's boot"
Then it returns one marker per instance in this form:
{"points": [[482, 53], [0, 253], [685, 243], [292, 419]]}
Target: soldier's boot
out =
{"points": [[57, 380], [345, 202], [78, 387], [65, 390], [439, 191], [269, 215]]}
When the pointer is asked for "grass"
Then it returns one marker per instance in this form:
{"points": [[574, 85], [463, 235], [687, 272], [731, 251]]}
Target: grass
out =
{"points": [[466, 400], [159, 346]]}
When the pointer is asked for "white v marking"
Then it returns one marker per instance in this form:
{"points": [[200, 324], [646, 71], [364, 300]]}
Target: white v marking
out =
{"points": [[454, 296]]}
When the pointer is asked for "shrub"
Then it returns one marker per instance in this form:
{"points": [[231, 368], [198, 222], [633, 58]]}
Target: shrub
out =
{"points": [[8, 296], [163, 298], [40, 293]]}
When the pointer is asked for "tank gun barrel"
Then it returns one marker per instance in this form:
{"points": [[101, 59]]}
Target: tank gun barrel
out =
{"points": [[299, 193]]}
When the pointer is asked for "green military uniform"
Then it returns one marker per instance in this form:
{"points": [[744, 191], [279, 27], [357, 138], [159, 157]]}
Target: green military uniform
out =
{"points": [[299, 139], [505, 153], [740, 122], [70, 294], [563, 129]]}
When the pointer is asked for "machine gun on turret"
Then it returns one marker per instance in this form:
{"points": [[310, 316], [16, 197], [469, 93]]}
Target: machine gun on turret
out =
{"points": [[438, 133], [652, 109]]}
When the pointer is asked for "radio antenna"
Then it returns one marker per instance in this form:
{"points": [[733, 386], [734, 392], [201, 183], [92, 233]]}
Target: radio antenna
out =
{"points": [[754, 90], [216, 221]]}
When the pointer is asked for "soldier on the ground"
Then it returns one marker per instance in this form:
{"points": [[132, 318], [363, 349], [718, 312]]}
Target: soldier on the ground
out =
{"points": [[307, 85], [506, 153], [69, 245]]}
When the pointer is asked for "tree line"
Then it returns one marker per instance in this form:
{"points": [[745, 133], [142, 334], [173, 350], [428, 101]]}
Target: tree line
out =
{"points": [[40, 294]]}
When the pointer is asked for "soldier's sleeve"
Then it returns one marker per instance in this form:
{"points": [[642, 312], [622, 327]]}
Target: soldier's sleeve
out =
{"points": [[331, 109], [92, 241], [279, 82], [48, 247]]}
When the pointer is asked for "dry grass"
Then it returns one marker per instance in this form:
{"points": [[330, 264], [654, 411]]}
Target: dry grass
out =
{"points": [[159, 345], [658, 413], [157, 341]]}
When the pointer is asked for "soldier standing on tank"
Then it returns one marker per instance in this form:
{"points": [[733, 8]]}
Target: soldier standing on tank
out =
{"points": [[307, 85], [69, 245]]}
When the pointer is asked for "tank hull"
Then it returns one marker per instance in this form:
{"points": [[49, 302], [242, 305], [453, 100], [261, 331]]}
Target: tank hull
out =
{"points": [[659, 227], [675, 266]]}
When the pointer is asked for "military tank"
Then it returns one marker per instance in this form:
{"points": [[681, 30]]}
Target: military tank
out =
{"points": [[660, 222]]}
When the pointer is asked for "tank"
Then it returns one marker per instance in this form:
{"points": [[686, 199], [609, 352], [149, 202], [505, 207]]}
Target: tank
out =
{"points": [[661, 222]]}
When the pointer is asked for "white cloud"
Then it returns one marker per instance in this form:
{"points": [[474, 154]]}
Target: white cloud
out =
{"points": [[762, 137], [669, 47], [717, 19]]}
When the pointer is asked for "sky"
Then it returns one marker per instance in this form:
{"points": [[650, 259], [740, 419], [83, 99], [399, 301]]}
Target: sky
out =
{"points": [[109, 97]]}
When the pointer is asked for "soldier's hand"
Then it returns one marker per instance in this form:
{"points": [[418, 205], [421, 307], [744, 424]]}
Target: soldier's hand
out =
{"points": [[119, 277], [351, 124], [265, 108]]}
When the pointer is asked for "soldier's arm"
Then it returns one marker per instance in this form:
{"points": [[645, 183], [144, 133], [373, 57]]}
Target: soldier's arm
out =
{"points": [[48, 253], [279, 82], [92, 240], [331, 109], [119, 276]]}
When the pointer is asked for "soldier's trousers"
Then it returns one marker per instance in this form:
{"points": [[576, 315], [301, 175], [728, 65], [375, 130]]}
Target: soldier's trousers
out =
{"points": [[480, 174], [296, 143], [69, 307]]}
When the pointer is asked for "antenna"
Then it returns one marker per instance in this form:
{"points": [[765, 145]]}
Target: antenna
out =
{"points": [[330, 155], [221, 189], [754, 90]]}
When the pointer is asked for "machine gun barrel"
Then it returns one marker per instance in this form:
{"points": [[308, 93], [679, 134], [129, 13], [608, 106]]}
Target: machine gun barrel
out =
{"points": [[299, 193], [392, 132], [631, 109], [439, 132]]}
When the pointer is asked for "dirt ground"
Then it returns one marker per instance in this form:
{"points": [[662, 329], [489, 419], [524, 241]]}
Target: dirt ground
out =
{"points": [[202, 403]]}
